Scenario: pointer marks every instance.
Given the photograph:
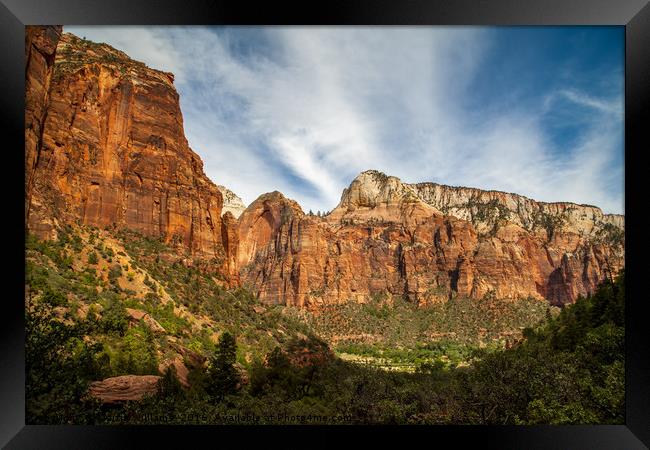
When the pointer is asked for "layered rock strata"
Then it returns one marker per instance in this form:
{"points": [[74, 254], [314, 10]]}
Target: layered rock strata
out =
{"points": [[124, 388], [111, 149], [384, 240], [488, 209], [105, 147]]}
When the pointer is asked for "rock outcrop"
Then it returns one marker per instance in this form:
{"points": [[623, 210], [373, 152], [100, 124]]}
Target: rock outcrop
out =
{"points": [[487, 210], [105, 147], [374, 197], [136, 315], [124, 388], [178, 367], [111, 148], [385, 240], [231, 202], [283, 254]]}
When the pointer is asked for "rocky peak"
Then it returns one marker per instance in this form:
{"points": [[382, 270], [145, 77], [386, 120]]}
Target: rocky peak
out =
{"points": [[74, 53], [371, 188], [231, 202], [375, 196]]}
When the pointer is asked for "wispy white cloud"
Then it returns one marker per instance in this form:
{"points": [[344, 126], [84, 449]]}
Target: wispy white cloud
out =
{"points": [[613, 107], [327, 103]]}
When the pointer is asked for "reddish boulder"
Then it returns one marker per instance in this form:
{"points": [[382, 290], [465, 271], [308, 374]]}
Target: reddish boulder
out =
{"points": [[124, 388]]}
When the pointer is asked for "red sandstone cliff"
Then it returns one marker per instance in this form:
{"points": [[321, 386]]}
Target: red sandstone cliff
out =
{"points": [[40, 48], [383, 239], [105, 146], [110, 147]]}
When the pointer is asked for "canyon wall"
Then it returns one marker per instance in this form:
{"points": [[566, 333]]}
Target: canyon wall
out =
{"points": [[105, 146], [487, 209], [40, 48], [111, 150], [385, 240]]}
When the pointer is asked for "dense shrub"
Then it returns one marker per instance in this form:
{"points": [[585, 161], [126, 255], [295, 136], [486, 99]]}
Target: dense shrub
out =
{"points": [[92, 258], [136, 353]]}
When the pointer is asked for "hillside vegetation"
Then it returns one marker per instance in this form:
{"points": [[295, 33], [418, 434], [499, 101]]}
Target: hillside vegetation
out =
{"points": [[262, 364]]}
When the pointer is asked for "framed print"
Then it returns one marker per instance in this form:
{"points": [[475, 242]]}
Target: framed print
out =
{"points": [[378, 218]]}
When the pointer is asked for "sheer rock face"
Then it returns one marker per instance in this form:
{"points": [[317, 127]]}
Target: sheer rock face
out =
{"points": [[40, 48], [384, 240], [105, 146], [113, 151], [230, 239], [283, 254]]}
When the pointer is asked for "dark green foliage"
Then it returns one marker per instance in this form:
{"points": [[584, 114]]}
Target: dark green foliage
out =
{"points": [[443, 354], [54, 298], [286, 215], [276, 370], [115, 272], [491, 212], [113, 318], [548, 222], [570, 370], [379, 177], [405, 323], [136, 353], [610, 234], [58, 366], [92, 258], [290, 381], [164, 315], [169, 386], [222, 377]]}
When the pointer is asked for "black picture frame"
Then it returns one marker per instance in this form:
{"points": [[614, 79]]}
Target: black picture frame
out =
{"points": [[634, 15]]}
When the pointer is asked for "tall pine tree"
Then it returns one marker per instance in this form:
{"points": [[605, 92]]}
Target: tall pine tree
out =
{"points": [[222, 376]]}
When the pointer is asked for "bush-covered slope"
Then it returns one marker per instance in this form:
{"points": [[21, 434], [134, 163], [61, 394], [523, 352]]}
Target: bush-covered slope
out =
{"points": [[260, 364]]}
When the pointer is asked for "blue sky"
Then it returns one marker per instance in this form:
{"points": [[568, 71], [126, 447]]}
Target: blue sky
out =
{"points": [[532, 110]]}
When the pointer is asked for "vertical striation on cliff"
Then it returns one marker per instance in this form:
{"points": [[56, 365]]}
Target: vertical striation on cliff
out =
{"points": [[428, 243], [112, 151], [40, 50], [105, 146]]}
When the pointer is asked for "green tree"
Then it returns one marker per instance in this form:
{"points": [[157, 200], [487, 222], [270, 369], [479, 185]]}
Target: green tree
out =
{"points": [[54, 298], [568, 371], [137, 353], [58, 367], [92, 258], [222, 377]]}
